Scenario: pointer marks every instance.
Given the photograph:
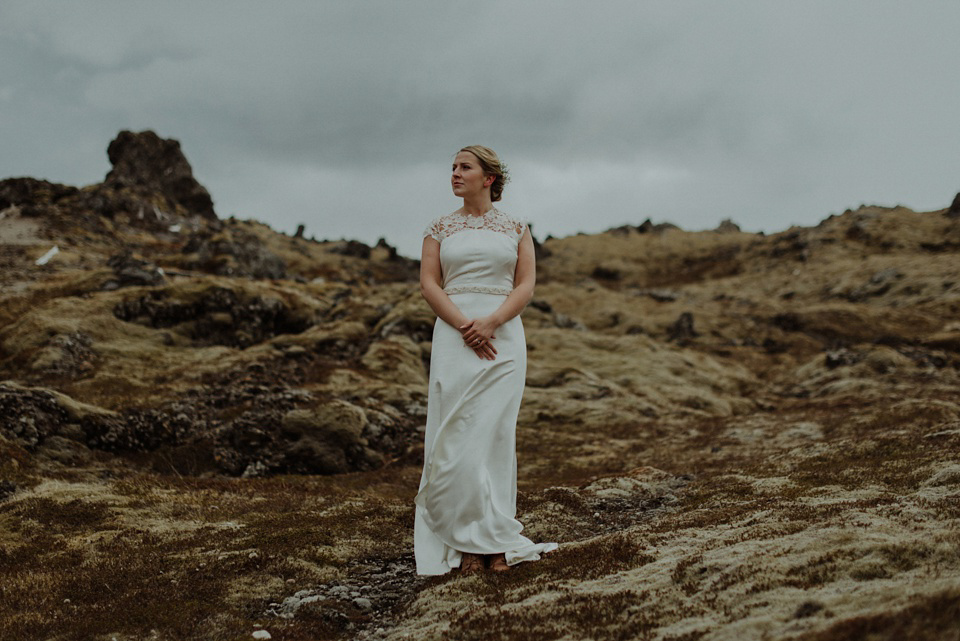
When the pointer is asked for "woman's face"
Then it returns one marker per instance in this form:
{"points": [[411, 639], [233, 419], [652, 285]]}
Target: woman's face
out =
{"points": [[467, 178]]}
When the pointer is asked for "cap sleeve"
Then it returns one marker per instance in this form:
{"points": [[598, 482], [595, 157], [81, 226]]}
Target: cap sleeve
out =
{"points": [[521, 228], [434, 230]]}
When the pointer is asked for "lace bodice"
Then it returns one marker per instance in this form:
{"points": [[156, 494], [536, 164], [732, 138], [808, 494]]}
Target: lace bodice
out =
{"points": [[493, 220], [478, 261]]}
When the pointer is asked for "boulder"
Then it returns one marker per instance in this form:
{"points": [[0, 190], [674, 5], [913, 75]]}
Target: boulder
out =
{"points": [[327, 440]]}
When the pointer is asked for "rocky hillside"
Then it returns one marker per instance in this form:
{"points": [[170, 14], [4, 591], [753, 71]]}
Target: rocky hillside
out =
{"points": [[210, 429]]}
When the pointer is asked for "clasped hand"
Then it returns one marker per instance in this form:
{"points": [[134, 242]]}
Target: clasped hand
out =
{"points": [[477, 334]]}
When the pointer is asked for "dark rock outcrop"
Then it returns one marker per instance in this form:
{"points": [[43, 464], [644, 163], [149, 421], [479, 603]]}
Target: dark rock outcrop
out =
{"points": [[29, 416], [232, 252], [682, 331], [727, 226], [954, 210], [352, 248], [132, 272], [29, 193], [647, 226], [391, 251], [147, 163], [214, 316], [605, 273], [539, 250]]}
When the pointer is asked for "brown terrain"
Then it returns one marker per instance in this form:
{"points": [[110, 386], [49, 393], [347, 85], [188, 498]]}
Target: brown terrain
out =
{"points": [[211, 430]]}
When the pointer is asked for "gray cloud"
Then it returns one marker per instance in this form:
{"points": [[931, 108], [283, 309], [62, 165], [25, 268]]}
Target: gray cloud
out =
{"points": [[345, 115]]}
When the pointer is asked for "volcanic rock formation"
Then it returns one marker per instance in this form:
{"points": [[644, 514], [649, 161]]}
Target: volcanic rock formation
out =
{"points": [[150, 166], [731, 435]]}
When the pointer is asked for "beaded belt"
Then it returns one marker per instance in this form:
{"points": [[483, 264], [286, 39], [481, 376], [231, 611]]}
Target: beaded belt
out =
{"points": [[480, 289]]}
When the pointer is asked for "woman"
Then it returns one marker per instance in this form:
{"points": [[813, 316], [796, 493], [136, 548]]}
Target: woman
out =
{"points": [[477, 274]]}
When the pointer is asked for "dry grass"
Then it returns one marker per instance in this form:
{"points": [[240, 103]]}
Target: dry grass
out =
{"points": [[729, 485]]}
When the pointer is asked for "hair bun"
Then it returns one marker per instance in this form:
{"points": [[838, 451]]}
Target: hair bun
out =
{"points": [[492, 166]]}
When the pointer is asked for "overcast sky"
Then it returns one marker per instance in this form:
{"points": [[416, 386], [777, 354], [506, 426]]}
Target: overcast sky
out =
{"points": [[346, 115]]}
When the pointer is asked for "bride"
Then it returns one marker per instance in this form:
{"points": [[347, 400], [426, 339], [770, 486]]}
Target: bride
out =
{"points": [[477, 273]]}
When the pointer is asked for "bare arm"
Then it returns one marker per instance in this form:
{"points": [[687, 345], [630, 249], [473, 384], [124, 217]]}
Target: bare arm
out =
{"points": [[431, 285]]}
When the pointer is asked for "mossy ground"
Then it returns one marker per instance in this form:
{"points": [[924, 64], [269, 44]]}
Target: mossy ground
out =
{"points": [[759, 528], [786, 471], [189, 558]]}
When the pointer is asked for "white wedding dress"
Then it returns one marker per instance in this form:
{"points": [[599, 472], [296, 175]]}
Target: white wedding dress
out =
{"points": [[467, 500]]}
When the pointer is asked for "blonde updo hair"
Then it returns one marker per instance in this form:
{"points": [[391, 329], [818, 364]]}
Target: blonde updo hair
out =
{"points": [[491, 166]]}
